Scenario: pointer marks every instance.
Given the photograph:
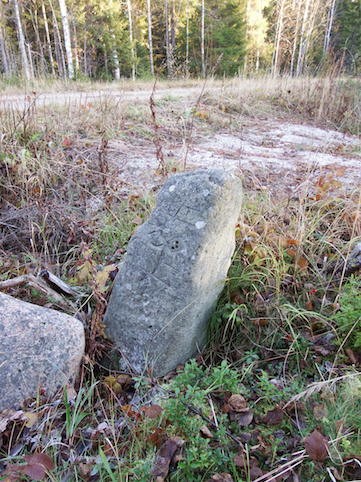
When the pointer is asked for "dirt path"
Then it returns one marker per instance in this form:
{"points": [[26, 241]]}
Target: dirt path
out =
{"points": [[20, 102]]}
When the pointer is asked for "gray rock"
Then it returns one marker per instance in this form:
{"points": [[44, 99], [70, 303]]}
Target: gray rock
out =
{"points": [[174, 271], [39, 347]]}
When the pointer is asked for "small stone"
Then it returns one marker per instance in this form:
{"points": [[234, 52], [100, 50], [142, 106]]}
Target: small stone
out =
{"points": [[39, 348]]}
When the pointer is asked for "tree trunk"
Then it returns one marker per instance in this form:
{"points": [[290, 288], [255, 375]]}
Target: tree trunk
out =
{"points": [[116, 70], [302, 45], [21, 40], [295, 40], [76, 47], [30, 57], [47, 36], [131, 36], [41, 63], [67, 38], [172, 31], [187, 39], [85, 57], [279, 32], [4, 58], [150, 37], [59, 52], [329, 25], [203, 60], [168, 47], [3, 48]]}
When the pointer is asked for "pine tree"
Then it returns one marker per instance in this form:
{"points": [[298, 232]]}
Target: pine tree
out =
{"points": [[348, 37]]}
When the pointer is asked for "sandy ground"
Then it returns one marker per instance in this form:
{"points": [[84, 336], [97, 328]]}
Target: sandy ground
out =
{"points": [[274, 153]]}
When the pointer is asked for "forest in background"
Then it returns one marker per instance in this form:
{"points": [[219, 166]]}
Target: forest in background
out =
{"points": [[113, 39]]}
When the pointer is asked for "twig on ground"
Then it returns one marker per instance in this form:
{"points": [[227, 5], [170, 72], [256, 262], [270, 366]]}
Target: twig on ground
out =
{"points": [[282, 469], [40, 285]]}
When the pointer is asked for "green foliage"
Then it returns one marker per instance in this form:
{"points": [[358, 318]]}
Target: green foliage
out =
{"points": [[77, 410], [225, 39], [348, 318], [191, 390], [348, 34]]}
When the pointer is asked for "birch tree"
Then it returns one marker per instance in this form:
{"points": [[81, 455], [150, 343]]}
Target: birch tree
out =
{"points": [[329, 25], [131, 36], [67, 38], [3, 47], [279, 33], [47, 37], [21, 40], [150, 37], [187, 40], [203, 59]]}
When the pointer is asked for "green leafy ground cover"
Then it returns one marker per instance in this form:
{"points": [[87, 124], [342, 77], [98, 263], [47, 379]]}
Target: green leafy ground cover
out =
{"points": [[276, 394]]}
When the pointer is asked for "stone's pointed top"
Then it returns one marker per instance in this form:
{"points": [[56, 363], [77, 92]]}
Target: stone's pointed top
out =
{"points": [[174, 270]]}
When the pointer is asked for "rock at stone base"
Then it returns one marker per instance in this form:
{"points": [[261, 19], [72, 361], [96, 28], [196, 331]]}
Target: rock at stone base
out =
{"points": [[39, 347], [174, 271]]}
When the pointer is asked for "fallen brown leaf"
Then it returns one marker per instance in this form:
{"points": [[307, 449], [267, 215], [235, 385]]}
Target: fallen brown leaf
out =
{"points": [[237, 403], [165, 457], [316, 446], [244, 418], [153, 411], [255, 472], [240, 461], [205, 432], [37, 465], [273, 417], [223, 477]]}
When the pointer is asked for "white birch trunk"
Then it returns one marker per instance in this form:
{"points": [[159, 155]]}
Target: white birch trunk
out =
{"points": [[203, 59], [329, 25], [67, 38], [76, 47], [279, 32], [21, 40], [30, 57], [150, 37], [131, 36], [167, 39], [187, 39], [302, 45], [295, 40], [116, 71], [42, 61], [59, 52], [3, 48]]}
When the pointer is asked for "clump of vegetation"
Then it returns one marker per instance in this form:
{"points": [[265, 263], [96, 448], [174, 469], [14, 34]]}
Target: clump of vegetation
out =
{"points": [[348, 318]]}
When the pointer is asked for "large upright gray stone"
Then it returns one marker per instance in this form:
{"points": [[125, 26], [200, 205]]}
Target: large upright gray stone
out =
{"points": [[39, 348], [174, 271]]}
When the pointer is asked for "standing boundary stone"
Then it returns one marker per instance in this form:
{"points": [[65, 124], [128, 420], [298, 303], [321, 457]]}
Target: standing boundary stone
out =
{"points": [[174, 270]]}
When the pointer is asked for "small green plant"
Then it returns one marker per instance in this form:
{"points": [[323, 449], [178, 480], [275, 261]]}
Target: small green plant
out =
{"points": [[189, 409], [348, 318], [77, 410]]}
